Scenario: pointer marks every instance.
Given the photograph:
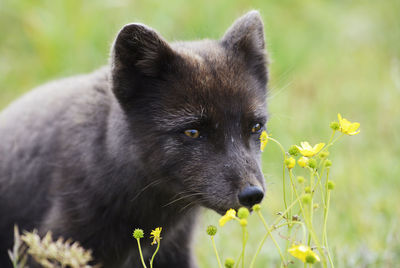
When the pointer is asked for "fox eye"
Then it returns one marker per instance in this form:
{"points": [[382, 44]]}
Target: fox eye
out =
{"points": [[192, 133], [256, 128]]}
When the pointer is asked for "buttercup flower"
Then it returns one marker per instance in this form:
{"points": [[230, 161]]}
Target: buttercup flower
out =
{"points": [[229, 215], [347, 127], [290, 162], [263, 140], [303, 253], [307, 150], [156, 235], [302, 161]]}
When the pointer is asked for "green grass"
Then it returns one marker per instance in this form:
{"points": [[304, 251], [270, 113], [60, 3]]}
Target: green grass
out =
{"points": [[326, 57]]}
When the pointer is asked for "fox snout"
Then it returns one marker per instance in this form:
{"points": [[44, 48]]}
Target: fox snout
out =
{"points": [[250, 196]]}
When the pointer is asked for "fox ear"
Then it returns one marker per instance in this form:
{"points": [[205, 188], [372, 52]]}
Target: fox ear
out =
{"points": [[246, 37], [138, 53]]}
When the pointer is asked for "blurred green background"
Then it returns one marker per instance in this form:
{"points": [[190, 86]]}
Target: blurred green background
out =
{"points": [[325, 57]]}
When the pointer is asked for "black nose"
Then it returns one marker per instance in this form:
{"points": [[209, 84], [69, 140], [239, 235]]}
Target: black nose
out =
{"points": [[250, 196]]}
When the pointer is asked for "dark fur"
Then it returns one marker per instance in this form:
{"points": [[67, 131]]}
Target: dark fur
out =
{"points": [[94, 156]]}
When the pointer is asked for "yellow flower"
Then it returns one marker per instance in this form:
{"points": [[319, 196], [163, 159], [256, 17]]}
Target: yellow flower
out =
{"points": [[156, 235], [347, 127], [229, 215], [263, 140], [307, 150], [303, 252], [290, 162], [302, 161]]}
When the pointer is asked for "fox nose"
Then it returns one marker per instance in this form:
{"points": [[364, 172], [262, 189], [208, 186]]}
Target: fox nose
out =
{"points": [[250, 196]]}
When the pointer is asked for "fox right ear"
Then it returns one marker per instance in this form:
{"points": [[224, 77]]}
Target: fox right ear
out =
{"points": [[138, 53]]}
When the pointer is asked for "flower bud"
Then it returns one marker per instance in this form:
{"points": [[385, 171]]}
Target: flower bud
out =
{"points": [[306, 198], [316, 206], [328, 163], [307, 189], [293, 150], [300, 179], [323, 154], [211, 230], [310, 258], [243, 222], [257, 207], [243, 213], [312, 163], [290, 162], [334, 125], [302, 161], [229, 263], [138, 233], [331, 185]]}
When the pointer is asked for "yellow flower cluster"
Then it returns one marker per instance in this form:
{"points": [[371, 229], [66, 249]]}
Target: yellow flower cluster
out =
{"points": [[229, 215]]}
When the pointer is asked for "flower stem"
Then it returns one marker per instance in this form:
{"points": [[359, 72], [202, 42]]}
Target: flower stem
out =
{"points": [[154, 254], [216, 252], [326, 210], [244, 244], [140, 252], [283, 169], [253, 261], [308, 224], [272, 237]]}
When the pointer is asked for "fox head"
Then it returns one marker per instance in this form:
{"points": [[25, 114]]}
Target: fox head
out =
{"points": [[196, 110]]}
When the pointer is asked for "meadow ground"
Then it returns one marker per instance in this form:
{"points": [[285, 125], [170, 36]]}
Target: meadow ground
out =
{"points": [[325, 57]]}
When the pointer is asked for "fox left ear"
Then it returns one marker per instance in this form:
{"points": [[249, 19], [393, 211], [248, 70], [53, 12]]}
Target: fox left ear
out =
{"points": [[246, 37]]}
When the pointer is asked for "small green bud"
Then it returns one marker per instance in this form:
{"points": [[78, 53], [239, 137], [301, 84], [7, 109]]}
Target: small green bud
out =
{"points": [[243, 213], [290, 162], [328, 163], [229, 263], [243, 222], [138, 233], [307, 189], [300, 179], [331, 185], [312, 163], [334, 125], [257, 207], [311, 258], [306, 198], [316, 206], [323, 154], [293, 150], [211, 230]]}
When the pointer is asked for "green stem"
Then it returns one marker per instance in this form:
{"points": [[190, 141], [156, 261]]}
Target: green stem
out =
{"points": [[326, 210], [140, 252], [244, 244], [216, 252], [272, 237], [253, 261], [309, 226], [283, 169], [154, 254]]}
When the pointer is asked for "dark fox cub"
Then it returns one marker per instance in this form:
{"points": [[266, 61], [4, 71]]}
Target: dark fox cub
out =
{"points": [[166, 128]]}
